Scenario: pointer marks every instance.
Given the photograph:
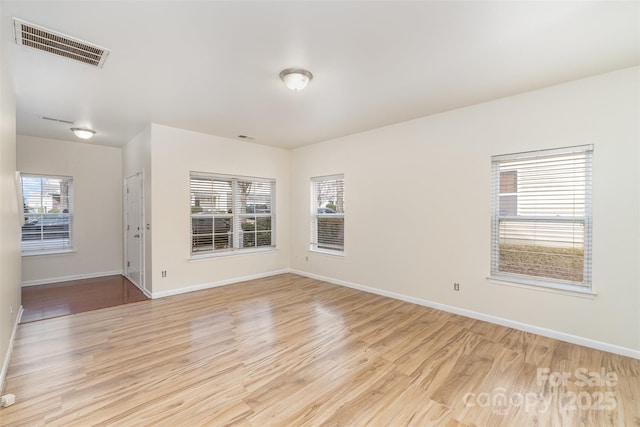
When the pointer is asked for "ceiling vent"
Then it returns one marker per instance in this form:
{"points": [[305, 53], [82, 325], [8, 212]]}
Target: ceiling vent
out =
{"points": [[53, 119], [37, 37]]}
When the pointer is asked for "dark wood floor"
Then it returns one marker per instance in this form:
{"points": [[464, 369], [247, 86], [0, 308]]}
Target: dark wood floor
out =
{"points": [[77, 296]]}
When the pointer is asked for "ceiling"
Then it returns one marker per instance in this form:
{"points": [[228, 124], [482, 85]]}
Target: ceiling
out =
{"points": [[213, 66]]}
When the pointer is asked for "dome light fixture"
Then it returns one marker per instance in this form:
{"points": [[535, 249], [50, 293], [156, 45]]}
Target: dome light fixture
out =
{"points": [[296, 79], [83, 133]]}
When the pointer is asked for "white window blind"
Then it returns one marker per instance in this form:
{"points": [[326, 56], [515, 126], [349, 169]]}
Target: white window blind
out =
{"points": [[541, 222], [48, 213], [230, 213], [327, 213]]}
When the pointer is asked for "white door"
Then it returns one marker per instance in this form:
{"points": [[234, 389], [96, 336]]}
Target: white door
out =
{"points": [[134, 230]]}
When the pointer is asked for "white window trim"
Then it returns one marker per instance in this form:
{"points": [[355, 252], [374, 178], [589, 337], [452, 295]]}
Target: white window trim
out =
{"points": [[329, 252], [532, 282], [544, 286], [231, 253], [70, 249], [315, 215], [235, 250], [46, 252]]}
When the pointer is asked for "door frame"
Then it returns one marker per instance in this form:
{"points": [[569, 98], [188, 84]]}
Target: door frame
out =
{"points": [[143, 276]]}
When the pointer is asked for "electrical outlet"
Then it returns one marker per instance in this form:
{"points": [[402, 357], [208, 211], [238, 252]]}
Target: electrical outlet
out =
{"points": [[306, 259], [164, 273], [456, 286]]}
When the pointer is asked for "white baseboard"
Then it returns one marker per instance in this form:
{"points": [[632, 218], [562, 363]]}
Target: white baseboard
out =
{"points": [[69, 278], [143, 290], [7, 357], [562, 336], [209, 285]]}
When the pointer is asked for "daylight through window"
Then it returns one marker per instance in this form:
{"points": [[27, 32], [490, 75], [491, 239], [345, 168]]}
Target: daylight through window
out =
{"points": [[542, 216], [230, 213], [48, 213], [327, 213]]}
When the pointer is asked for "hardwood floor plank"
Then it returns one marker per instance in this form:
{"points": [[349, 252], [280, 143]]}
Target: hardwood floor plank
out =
{"points": [[77, 296], [294, 351], [318, 401]]}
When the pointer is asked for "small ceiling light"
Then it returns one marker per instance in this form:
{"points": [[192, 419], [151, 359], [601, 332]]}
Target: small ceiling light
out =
{"points": [[83, 133], [296, 78]]}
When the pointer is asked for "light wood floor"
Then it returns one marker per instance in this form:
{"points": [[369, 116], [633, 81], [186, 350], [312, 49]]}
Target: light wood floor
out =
{"points": [[290, 351]]}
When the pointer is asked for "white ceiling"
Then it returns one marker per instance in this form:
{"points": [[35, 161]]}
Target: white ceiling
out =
{"points": [[213, 66]]}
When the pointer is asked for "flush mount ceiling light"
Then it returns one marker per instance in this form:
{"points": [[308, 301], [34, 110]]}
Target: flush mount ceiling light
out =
{"points": [[296, 78], [83, 133]]}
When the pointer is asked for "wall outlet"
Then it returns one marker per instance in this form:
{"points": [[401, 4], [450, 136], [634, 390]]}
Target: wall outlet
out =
{"points": [[456, 286], [164, 273], [306, 259]]}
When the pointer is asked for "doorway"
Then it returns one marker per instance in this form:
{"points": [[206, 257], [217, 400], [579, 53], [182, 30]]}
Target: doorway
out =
{"points": [[134, 230]]}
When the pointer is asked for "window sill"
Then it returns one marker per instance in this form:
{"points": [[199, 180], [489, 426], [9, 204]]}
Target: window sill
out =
{"points": [[48, 252], [327, 252], [237, 252], [540, 285]]}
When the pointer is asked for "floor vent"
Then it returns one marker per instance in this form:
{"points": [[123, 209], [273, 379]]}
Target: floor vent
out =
{"points": [[50, 41]]}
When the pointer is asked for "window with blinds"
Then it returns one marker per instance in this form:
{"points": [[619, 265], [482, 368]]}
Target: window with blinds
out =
{"points": [[48, 213], [231, 213], [541, 222], [327, 213]]}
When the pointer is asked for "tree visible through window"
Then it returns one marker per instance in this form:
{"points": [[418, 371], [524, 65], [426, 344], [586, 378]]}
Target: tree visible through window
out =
{"points": [[542, 216], [327, 213], [230, 213], [48, 214]]}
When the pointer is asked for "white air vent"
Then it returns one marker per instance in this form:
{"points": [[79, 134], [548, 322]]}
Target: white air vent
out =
{"points": [[37, 37]]}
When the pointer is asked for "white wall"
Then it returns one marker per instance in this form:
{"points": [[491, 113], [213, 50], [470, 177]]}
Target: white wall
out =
{"points": [[9, 213], [97, 207], [136, 158], [175, 153], [417, 203]]}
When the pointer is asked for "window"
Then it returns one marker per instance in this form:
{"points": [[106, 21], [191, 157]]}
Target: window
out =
{"points": [[541, 231], [230, 213], [508, 193], [327, 213], [48, 213]]}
